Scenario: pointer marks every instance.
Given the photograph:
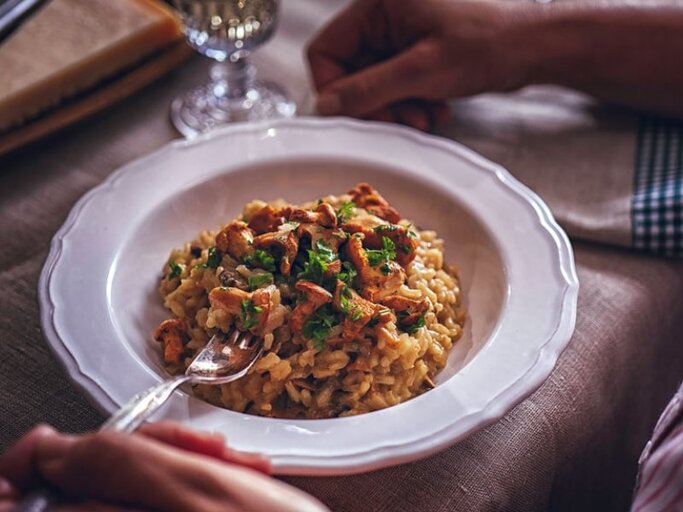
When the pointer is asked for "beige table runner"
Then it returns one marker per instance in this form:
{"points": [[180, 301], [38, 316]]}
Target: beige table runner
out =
{"points": [[577, 156]]}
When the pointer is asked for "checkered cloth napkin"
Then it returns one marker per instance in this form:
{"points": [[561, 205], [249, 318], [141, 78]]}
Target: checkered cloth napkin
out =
{"points": [[608, 174], [657, 206]]}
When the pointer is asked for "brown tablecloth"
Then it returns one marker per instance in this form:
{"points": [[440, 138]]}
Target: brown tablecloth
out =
{"points": [[573, 445]]}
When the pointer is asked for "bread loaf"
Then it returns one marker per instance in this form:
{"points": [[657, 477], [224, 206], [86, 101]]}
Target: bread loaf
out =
{"points": [[68, 46]]}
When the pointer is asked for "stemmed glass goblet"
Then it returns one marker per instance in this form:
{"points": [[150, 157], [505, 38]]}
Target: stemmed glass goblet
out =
{"points": [[227, 31]]}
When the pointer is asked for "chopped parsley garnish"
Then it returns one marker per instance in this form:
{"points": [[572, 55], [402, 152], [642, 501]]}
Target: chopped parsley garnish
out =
{"points": [[257, 280], [248, 314], [214, 258], [319, 325], [314, 269], [383, 257], [411, 233], [260, 258], [385, 227], [419, 323], [176, 269], [345, 211], [375, 257], [344, 298], [316, 266], [354, 313], [405, 248], [325, 251], [348, 274]]}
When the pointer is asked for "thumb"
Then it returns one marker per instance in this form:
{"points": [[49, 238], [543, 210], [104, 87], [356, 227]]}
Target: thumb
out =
{"points": [[410, 74]]}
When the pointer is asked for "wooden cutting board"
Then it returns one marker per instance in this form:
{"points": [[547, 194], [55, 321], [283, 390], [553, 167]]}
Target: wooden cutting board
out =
{"points": [[102, 96]]}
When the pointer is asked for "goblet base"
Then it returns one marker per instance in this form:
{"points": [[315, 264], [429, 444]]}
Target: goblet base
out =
{"points": [[200, 110]]}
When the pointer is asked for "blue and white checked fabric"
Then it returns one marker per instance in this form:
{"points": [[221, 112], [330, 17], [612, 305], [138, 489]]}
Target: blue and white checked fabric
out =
{"points": [[657, 206]]}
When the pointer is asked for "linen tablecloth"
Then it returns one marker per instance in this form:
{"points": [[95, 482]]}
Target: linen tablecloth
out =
{"points": [[573, 445]]}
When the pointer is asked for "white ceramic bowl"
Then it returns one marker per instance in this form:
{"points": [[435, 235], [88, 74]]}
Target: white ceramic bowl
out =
{"points": [[99, 301]]}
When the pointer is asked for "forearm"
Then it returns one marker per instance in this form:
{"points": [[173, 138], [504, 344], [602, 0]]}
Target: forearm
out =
{"points": [[620, 52]]}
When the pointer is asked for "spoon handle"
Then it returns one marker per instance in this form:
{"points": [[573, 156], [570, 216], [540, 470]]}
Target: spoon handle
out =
{"points": [[143, 405]]}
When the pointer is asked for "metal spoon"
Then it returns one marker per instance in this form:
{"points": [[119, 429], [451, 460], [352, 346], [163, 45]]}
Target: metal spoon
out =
{"points": [[223, 360]]}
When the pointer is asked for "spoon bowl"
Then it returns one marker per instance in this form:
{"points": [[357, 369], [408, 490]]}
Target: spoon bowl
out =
{"points": [[223, 359]]}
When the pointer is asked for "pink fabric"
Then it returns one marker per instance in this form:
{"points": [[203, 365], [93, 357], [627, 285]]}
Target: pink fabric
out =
{"points": [[660, 483]]}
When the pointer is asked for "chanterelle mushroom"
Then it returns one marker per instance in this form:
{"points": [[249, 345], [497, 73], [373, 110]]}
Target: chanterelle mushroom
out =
{"points": [[404, 240], [285, 243], [315, 296], [408, 311], [173, 334], [252, 308], [323, 215], [229, 299], [357, 311], [364, 196], [267, 219], [235, 239], [332, 238], [376, 281]]}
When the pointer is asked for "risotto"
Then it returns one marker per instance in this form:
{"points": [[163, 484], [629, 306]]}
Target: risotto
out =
{"points": [[356, 307]]}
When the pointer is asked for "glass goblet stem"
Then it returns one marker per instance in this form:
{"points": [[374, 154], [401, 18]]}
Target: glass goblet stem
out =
{"points": [[232, 79]]}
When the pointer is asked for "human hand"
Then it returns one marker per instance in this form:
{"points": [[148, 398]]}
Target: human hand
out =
{"points": [[162, 467], [399, 60]]}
